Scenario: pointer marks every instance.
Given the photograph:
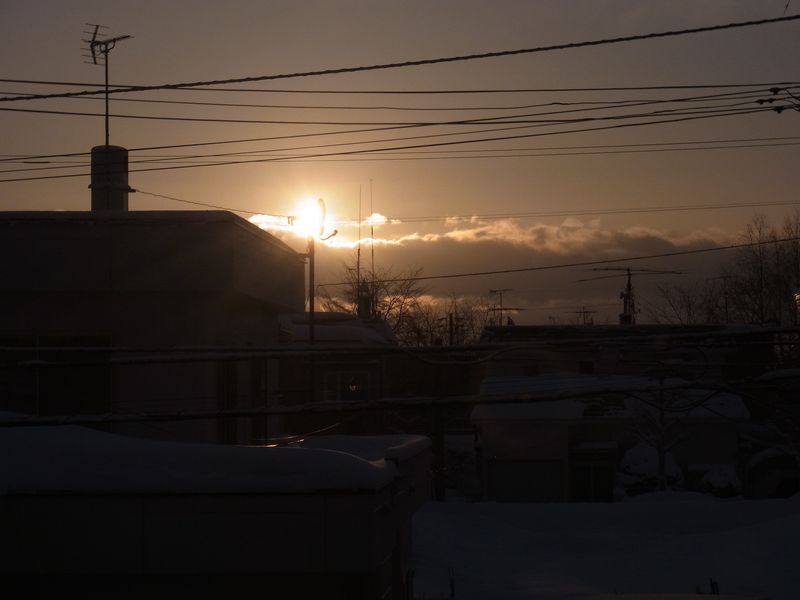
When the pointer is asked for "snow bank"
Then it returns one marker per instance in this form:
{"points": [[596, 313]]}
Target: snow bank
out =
{"points": [[559, 551], [76, 459]]}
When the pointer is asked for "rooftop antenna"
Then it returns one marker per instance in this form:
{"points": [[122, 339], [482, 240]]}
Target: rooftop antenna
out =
{"points": [[372, 248], [628, 314], [586, 315], [358, 251], [500, 308], [99, 48]]}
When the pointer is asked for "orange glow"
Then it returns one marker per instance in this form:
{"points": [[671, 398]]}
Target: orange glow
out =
{"points": [[310, 218]]}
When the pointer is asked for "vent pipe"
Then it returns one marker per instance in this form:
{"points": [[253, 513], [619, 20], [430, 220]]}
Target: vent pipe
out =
{"points": [[109, 185]]}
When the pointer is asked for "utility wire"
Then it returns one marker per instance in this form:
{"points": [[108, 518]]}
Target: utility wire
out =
{"points": [[238, 210], [505, 119], [575, 264], [434, 92], [423, 62], [274, 138], [580, 212], [416, 146], [421, 155], [601, 103]]}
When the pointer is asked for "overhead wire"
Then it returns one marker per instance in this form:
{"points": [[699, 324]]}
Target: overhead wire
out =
{"points": [[429, 91], [428, 61], [207, 205], [576, 264], [423, 156], [416, 146], [505, 119], [283, 137], [599, 103]]}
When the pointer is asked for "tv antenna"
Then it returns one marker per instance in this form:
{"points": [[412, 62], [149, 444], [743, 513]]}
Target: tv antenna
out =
{"points": [[586, 315], [628, 314], [500, 308], [99, 47]]}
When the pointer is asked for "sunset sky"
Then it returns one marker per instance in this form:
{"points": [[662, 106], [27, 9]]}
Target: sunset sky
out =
{"points": [[557, 196]]}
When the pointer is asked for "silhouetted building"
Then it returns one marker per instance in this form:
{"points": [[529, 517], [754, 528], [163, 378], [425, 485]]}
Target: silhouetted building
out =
{"points": [[102, 515], [150, 281]]}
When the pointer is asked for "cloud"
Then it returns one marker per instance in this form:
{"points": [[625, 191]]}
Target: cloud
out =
{"points": [[476, 246]]}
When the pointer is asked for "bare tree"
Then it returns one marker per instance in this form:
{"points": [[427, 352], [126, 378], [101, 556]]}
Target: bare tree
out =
{"points": [[760, 284], [398, 298]]}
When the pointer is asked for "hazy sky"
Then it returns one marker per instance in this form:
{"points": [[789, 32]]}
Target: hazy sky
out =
{"points": [[184, 41]]}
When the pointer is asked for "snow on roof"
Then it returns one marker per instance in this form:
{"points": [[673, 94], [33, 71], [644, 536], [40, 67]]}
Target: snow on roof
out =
{"points": [[779, 374], [541, 409], [568, 396], [549, 385], [336, 327], [371, 447], [77, 459]]}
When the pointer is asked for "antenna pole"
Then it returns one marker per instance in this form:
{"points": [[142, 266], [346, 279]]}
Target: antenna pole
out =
{"points": [[106, 70], [372, 248], [103, 47], [358, 251]]}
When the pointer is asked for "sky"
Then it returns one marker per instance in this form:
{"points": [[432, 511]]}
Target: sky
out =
{"points": [[559, 196]]}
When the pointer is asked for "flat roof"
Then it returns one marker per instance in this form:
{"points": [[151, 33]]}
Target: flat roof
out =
{"points": [[122, 217]]}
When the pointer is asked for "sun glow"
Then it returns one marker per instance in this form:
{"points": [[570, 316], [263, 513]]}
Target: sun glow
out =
{"points": [[310, 218]]}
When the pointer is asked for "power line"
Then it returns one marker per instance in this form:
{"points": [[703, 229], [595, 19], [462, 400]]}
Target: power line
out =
{"points": [[604, 103], [428, 61], [519, 215], [422, 92], [585, 212], [575, 264], [274, 138], [415, 146], [423, 155], [506, 119], [238, 210]]}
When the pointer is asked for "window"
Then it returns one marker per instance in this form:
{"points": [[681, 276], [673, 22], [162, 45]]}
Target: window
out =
{"points": [[73, 389], [346, 386]]}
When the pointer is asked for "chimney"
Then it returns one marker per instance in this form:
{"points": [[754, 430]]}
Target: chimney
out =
{"points": [[109, 185]]}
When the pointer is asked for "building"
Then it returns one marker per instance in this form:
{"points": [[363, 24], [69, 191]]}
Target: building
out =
{"points": [[689, 351], [568, 437], [150, 282], [98, 514]]}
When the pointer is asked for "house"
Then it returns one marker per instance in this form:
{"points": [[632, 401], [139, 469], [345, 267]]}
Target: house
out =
{"points": [[98, 514], [76, 285], [571, 437], [689, 351]]}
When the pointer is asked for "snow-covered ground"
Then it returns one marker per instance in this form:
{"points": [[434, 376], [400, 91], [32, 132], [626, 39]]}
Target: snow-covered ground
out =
{"points": [[667, 542]]}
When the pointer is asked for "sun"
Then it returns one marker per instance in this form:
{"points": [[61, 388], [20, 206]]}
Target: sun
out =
{"points": [[308, 217]]}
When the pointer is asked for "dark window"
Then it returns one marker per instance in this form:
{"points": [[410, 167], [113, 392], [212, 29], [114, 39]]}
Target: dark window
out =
{"points": [[346, 386], [81, 386]]}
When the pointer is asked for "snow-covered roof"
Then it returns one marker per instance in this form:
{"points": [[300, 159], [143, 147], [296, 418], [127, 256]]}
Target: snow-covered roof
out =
{"points": [[372, 447], [76, 459], [569, 396], [336, 328]]}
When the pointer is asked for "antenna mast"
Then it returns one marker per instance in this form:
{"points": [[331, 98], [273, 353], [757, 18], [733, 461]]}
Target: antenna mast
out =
{"points": [[372, 248], [628, 315], [358, 251], [99, 50], [500, 310]]}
